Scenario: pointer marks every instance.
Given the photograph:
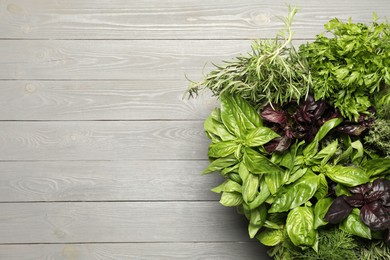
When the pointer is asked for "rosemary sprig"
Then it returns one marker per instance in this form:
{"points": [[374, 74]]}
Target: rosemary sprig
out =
{"points": [[273, 72]]}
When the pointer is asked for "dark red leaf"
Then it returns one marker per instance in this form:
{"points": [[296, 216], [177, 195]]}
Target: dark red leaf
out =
{"points": [[274, 116], [280, 144], [351, 129], [380, 190], [361, 189], [338, 211], [375, 216], [356, 200]]}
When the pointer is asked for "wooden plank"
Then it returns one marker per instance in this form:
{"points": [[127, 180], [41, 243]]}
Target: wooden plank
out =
{"points": [[167, 251], [120, 222], [103, 140], [100, 100], [113, 60], [106, 181], [172, 19]]}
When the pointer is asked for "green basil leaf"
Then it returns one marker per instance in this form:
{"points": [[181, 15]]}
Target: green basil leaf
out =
{"points": [[227, 115], [216, 128], [219, 164], [275, 181], [243, 172], [377, 167], [259, 136], [259, 164], [298, 173], [322, 189], [232, 186], [297, 194], [326, 127], [261, 197], [329, 150], [358, 154], [222, 149], [344, 156], [219, 188], [320, 210], [272, 225], [300, 226], [271, 237], [259, 215], [247, 114], [234, 177], [341, 190], [347, 175], [231, 169], [253, 230], [257, 219], [231, 199], [354, 226], [250, 188]]}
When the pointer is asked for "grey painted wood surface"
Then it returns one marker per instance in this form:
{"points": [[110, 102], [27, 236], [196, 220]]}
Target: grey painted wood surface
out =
{"points": [[103, 140], [106, 181], [100, 155], [171, 19], [165, 251], [120, 222], [100, 100]]}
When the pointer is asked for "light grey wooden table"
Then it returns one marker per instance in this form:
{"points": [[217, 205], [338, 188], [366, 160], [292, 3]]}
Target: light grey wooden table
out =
{"points": [[100, 156]]}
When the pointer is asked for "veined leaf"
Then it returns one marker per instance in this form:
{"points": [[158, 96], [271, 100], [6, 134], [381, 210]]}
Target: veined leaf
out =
{"points": [[250, 188], [222, 149], [322, 189], [354, 226], [231, 199], [320, 210], [259, 164], [296, 194], [300, 226], [347, 175], [271, 237], [248, 116], [217, 128], [275, 181], [377, 167], [259, 136], [257, 219], [219, 164], [227, 115], [261, 196]]}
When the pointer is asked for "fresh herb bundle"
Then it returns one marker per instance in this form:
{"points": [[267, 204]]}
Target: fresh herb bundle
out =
{"points": [[307, 164], [273, 72], [351, 66]]}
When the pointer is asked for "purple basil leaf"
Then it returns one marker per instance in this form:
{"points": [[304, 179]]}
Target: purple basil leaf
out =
{"points": [[380, 189], [356, 200], [320, 109], [375, 216], [354, 130], [361, 189], [280, 144], [274, 116], [338, 211]]}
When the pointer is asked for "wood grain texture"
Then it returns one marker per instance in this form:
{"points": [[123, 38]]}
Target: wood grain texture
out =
{"points": [[103, 140], [120, 222], [172, 19], [106, 181], [161, 251], [113, 60], [100, 100]]}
